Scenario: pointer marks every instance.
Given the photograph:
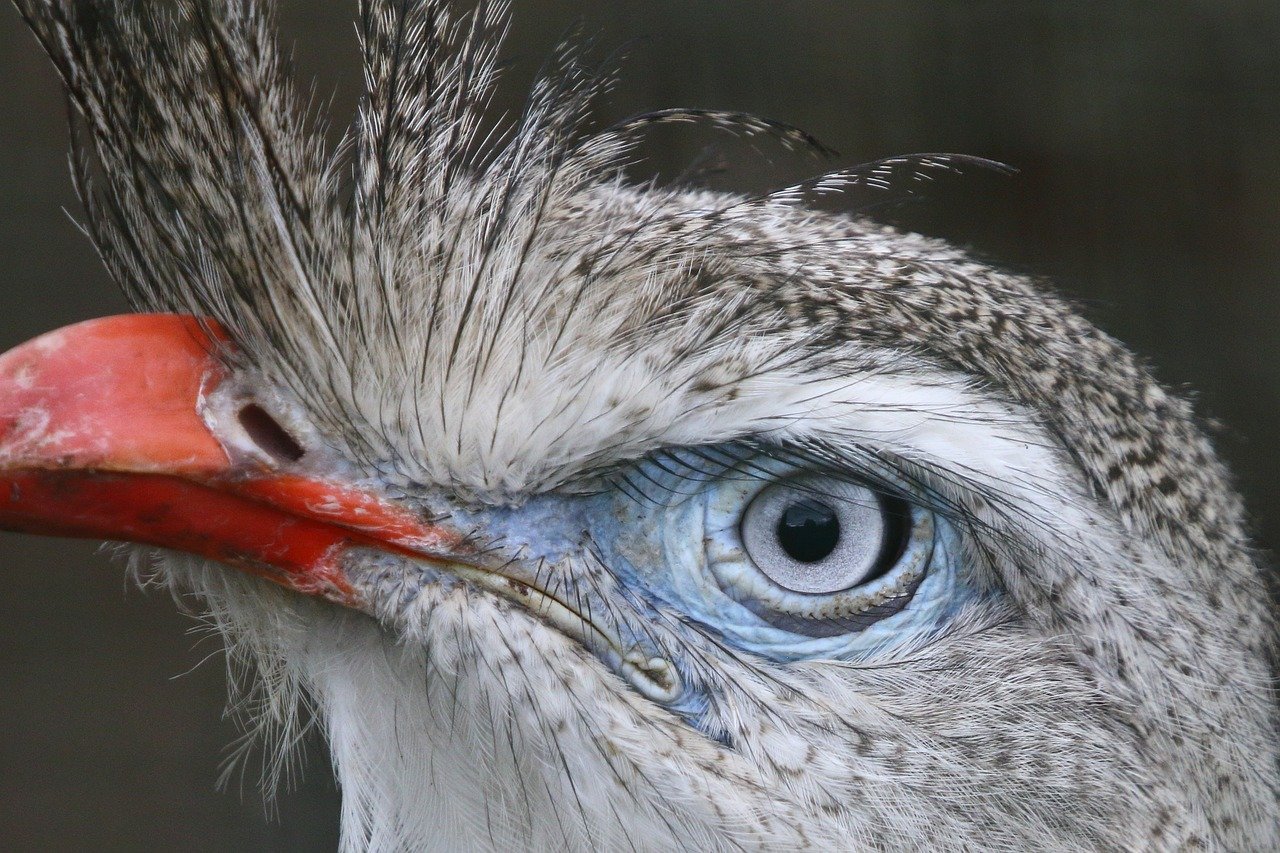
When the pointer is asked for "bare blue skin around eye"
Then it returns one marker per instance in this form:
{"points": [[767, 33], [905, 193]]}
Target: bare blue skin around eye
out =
{"points": [[665, 548], [660, 547]]}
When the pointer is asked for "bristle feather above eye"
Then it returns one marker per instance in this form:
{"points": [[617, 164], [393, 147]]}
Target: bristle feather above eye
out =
{"points": [[433, 247], [737, 123]]}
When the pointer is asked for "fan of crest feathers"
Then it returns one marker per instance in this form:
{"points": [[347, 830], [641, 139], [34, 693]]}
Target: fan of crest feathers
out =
{"points": [[590, 515]]}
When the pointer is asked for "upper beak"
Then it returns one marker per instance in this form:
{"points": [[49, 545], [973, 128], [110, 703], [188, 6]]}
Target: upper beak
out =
{"points": [[103, 435]]}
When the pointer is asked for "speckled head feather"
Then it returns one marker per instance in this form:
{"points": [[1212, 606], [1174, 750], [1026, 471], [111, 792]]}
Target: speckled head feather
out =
{"points": [[487, 320]]}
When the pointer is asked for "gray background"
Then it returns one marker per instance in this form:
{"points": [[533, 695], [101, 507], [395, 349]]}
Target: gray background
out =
{"points": [[1148, 138]]}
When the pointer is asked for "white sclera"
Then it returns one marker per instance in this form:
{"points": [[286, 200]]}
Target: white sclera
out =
{"points": [[861, 538]]}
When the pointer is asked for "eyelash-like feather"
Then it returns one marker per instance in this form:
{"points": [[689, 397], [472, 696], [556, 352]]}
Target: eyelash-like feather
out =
{"points": [[916, 482]]}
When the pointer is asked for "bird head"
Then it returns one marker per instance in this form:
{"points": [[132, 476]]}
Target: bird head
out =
{"points": [[605, 515]]}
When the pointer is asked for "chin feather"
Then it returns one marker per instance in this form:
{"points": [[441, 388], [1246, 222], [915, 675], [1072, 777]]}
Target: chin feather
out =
{"points": [[259, 629], [431, 747]]}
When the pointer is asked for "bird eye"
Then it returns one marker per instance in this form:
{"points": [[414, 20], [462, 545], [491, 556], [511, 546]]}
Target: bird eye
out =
{"points": [[820, 537], [783, 562], [822, 557]]}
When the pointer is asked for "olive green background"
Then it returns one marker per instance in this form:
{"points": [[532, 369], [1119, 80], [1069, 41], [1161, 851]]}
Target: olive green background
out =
{"points": [[1148, 141]]}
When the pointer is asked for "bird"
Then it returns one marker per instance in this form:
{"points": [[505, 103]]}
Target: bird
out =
{"points": [[603, 515]]}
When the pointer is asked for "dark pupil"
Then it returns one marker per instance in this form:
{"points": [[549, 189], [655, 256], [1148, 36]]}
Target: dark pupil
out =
{"points": [[808, 531]]}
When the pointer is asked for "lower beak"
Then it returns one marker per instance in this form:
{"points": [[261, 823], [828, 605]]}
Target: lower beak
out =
{"points": [[103, 435]]}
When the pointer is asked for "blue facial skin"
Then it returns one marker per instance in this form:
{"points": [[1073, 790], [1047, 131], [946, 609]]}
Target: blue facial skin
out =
{"points": [[670, 538]]}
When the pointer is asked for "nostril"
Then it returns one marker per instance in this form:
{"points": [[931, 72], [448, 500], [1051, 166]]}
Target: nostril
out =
{"points": [[270, 437]]}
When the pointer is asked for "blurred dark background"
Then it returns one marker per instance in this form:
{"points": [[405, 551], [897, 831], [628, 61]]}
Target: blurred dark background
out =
{"points": [[1148, 141]]}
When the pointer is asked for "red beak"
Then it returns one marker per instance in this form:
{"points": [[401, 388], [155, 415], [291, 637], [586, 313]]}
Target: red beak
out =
{"points": [[103, 436]]}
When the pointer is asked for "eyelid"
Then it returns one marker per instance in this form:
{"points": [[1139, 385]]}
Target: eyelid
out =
{"points": [[756, 459], [910, 480]]}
